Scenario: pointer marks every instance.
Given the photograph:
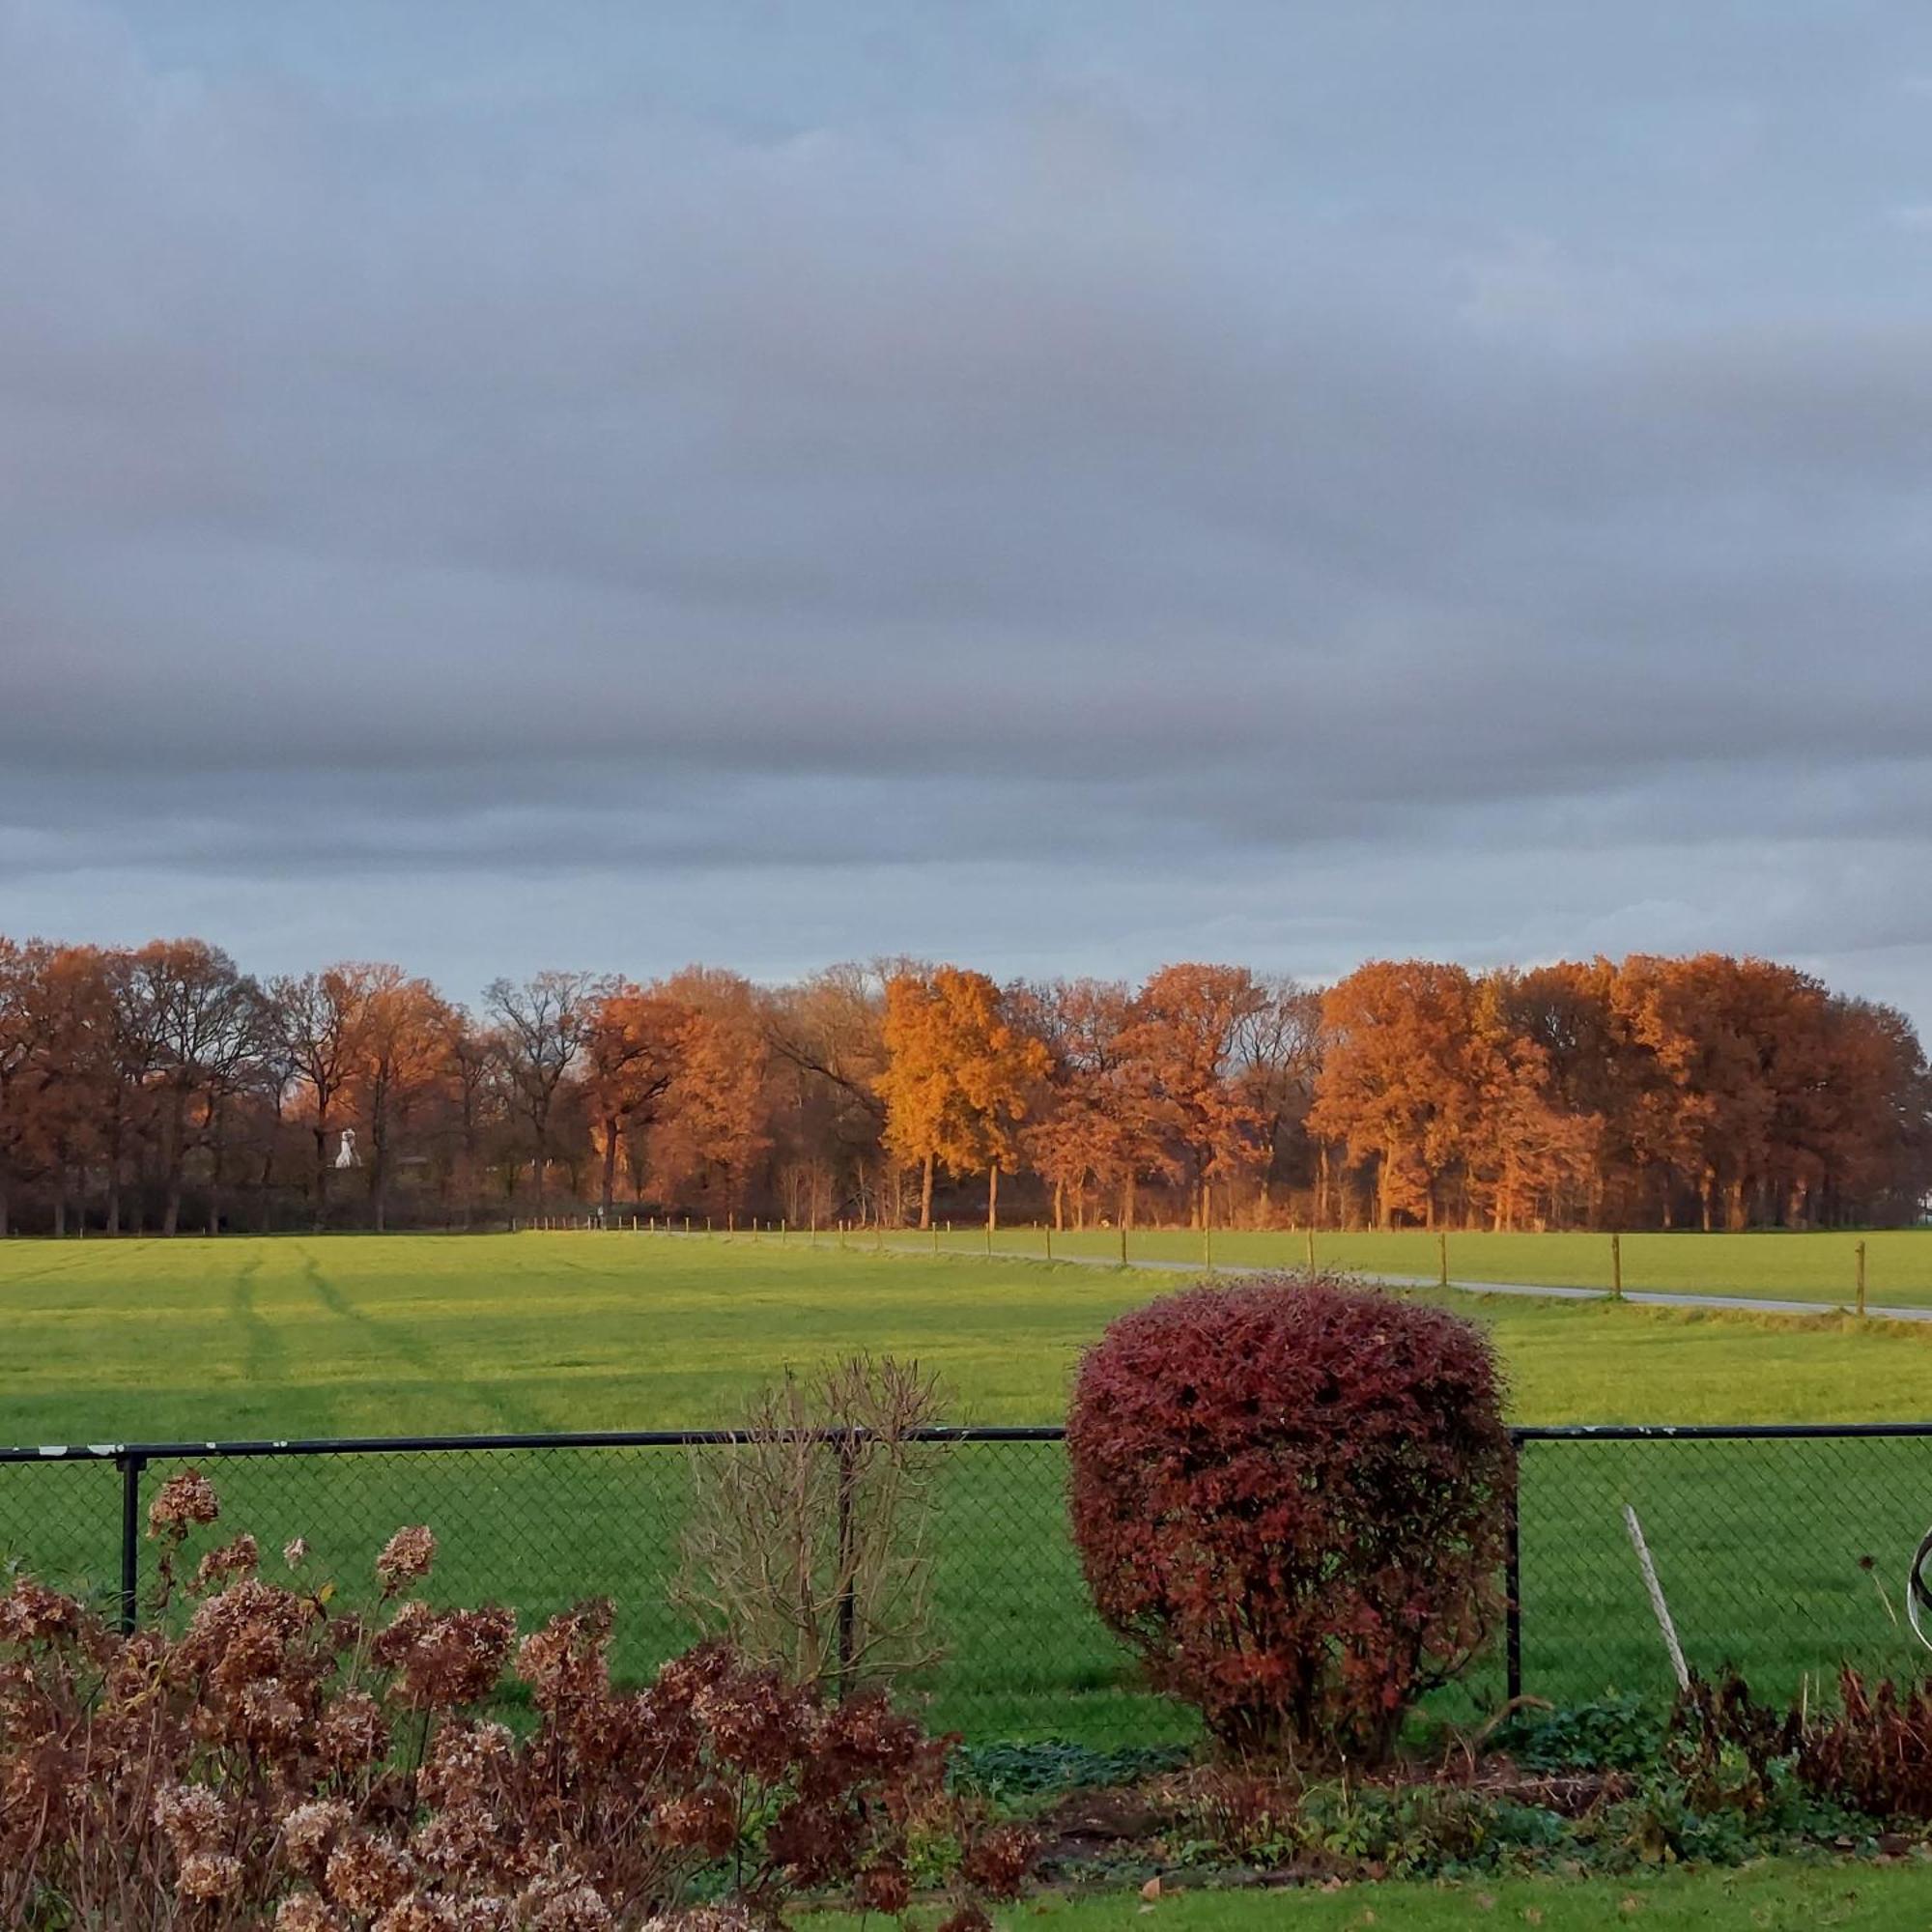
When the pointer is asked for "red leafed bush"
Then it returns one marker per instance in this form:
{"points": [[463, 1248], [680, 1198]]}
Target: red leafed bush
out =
{"points": [[1290, 1497]]}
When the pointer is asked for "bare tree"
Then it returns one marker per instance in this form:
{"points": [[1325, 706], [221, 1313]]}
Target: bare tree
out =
{"points": [[202, 1020], [319, 1018], [544, 1022]]}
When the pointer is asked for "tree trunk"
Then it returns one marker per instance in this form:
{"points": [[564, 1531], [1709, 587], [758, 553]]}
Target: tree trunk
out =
{"points": [[173, 1134], [1058, 1206], [379, 1179], [924, 1197], [321, 1170], [992, 1197], [609, 1166], [220, 1148]]}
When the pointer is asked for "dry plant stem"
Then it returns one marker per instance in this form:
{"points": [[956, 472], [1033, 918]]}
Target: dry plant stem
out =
{"points": [[809, 1544]]}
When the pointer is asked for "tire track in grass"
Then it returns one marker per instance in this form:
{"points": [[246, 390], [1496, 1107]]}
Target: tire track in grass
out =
{"points": [[399, 1343], [264, 1356]]}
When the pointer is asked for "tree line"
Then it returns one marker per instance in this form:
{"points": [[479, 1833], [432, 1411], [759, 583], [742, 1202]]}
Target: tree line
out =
{"points": [[161, 1089]]}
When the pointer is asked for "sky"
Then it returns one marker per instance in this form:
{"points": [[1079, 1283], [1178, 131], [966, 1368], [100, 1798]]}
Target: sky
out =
{"points": [[1063, 485]]}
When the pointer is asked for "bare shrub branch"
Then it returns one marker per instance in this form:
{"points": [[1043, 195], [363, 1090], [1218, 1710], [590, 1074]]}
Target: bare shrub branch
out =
{"points": [[810, 1540]]}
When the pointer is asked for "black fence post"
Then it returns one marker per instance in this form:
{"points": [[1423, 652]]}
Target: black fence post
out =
{"points": [[131, 1467], [1513, 1585]]}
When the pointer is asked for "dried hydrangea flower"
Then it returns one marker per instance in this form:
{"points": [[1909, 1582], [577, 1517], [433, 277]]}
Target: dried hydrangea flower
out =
{"points": [[406, 1556], [310, 1833], [184, 1500], [366, 1876], [420, 1912], [352, 1733], [305, 1911], [563, 1904], [208, 1875], [293, 1551], [32, 1613], [232, 1559], [194, 1817]]}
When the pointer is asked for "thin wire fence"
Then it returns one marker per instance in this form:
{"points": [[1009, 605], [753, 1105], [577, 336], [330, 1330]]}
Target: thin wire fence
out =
{"points": [[1783, 1551]]}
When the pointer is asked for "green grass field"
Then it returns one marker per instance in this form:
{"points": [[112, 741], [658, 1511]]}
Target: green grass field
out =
{"points": [[1774, 1266], [1761, 1544]]}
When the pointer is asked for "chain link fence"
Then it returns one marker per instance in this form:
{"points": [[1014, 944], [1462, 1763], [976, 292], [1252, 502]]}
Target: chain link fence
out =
{"points": [[1783, 1551]]}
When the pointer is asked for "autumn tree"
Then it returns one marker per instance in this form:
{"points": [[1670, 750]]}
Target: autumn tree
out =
{"points": [[70, 1018], [400, 1061], [20, 1051], [1524, 1143], [710, 1132], [1276, 1054], [1100, 1128], [631, 1057], [958, 1079], [825, 1035], [1184, 1042], [1398, 1086]]}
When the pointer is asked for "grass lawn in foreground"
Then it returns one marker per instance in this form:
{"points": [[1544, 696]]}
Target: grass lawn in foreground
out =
{"points": [[1761, 1544], [1776, 1896]]}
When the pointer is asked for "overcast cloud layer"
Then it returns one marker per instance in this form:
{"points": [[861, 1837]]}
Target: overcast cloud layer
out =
{"points": [[1063, 486]]}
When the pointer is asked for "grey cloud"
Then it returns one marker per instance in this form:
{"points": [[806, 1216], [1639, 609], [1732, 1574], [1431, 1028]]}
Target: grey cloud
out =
{"points": [[1119, 481]]}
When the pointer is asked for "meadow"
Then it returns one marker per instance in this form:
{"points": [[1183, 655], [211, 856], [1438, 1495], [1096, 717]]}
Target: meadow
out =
{"points": [[1763, 1544], [1767, 1266]]}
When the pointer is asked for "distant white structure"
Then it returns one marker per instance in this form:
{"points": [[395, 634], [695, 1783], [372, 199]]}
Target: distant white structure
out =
{"points": [[345, 1154]]}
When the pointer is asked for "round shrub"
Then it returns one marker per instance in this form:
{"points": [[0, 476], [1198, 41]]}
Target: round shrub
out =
{"points": [[1291, 1496]]}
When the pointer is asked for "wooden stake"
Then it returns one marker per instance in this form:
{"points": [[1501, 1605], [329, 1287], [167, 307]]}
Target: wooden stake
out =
{"points": [[1659, 1608], [1442, 1259], [1616, 1267], [1861, 1278]]}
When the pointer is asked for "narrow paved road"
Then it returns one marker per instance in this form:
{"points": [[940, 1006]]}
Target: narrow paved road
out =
{"points": [[1752, 1304]]}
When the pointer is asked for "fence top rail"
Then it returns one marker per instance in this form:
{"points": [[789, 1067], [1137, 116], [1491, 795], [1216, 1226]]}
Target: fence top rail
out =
{"points": [[122, 1452], [375, 1445], [1712, 1432]]}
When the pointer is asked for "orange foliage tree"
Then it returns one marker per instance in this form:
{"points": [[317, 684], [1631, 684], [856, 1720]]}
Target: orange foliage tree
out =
{"points": [[958, 1079]]}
